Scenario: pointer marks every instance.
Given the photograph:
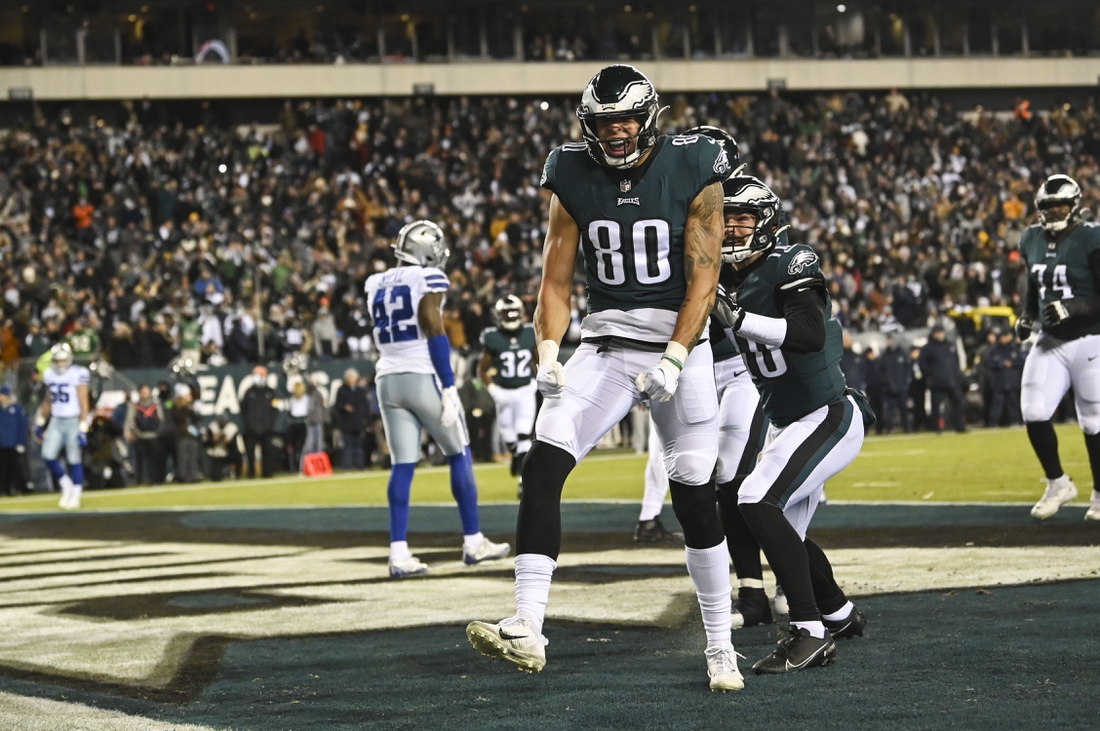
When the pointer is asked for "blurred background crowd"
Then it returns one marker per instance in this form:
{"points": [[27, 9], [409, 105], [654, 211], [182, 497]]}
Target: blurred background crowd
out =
{"points": [[142, 240]]}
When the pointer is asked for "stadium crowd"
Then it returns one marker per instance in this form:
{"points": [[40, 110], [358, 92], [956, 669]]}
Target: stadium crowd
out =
{"points": [[144, 241]]}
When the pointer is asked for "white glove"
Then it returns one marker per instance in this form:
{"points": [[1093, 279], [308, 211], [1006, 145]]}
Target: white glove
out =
{"points": [[551, 375], [452, 407], [660, 381], [494, 391]]}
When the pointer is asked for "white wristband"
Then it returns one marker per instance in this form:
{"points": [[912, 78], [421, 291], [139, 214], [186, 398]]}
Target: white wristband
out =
{"points": [[676, 354], [548, 352]]}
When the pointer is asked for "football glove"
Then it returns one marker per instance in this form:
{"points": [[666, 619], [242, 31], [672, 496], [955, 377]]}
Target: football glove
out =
{"points": [[1059, 311], [39, 430], [728, 313], [551, 374], [452, 407], [660, 381], [82, 439], [1024, 326]]}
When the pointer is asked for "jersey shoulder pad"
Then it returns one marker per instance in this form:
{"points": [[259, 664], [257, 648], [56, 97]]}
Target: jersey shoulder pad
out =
{"points": [[81, 374], [797, 261], [487, 336], [435, 280], [552, 170], [704, 155], [372, 281]]}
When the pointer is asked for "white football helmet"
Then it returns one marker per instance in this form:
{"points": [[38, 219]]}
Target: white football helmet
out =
{"points": [[509, 312], [1059, 190], [61, 357], [421, 242], [619, 92], [746, 194]]}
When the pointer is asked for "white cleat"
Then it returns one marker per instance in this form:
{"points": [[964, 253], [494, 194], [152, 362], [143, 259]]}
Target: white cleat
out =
{"points": [[722, 669], [1093, 513], [779, 603], [411, 566], [485, 551], [513, 639], [1058, 491]]}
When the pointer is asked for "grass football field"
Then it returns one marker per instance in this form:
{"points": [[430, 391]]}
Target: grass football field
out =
{"points": [[984, 465], [266, 605]]}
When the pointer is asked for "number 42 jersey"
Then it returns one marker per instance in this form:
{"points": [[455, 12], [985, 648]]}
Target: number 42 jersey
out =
{"points": [[394, 298]]}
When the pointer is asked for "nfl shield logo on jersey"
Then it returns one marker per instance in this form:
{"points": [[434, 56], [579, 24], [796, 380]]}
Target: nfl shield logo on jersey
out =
{"points": [[624, 186]]}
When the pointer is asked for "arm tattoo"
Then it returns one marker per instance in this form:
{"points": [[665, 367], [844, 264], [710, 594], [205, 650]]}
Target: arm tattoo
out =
{"points": [[703, 244]]}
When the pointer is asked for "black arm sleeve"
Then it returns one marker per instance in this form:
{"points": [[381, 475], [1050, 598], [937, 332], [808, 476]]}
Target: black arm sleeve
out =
{"points": [[1094, 266], [804, 311]]}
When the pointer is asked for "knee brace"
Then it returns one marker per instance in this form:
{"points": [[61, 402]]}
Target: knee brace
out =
{"points": [[697, 510]]}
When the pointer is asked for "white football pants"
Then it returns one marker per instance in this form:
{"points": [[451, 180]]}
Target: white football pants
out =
{"points": [[1053, 366]]}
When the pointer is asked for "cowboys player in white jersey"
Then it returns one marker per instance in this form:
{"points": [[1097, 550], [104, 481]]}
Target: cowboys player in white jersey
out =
{"points": [[66, 406], [1063, 298], [644, 211], [507, 368], [416, 389]]}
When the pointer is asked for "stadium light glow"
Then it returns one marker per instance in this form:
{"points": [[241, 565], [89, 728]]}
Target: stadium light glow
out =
{"points": [[841, 8], [544, 106]]}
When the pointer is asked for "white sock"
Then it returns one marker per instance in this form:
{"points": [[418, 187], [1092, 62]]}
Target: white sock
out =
{"points": [[534, 572], [75, 492], [709, 569], [817, 629], [399, 550], [840, 614], [66, 484], [751, 583], [472, 541]]}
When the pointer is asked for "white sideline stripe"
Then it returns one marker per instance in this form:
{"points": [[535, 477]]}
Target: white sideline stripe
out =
{"points": [[573, 501], [40, 714]]}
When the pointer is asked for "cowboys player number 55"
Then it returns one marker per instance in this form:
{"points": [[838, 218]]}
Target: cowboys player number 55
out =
{"points": [[507, 367], [66, 407], [1063, 298]]}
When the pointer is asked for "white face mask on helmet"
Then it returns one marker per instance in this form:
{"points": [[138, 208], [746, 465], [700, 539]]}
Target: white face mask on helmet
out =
{"points": [[509, 313], [1055, 191], [746, 194], [619, 92]]}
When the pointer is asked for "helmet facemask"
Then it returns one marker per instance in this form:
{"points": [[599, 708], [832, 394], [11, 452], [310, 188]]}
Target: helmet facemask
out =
{"points": [[749, 195], [61, 357], [1058, 190], [509, 313], [619, 92]]}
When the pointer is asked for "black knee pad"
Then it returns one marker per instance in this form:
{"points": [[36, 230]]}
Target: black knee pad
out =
{"points": [[697, 510]]}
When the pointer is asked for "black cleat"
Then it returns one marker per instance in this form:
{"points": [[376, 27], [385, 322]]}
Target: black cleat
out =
{"points": [[797, 651], [750, 608], [652, 532], [849, 627]]}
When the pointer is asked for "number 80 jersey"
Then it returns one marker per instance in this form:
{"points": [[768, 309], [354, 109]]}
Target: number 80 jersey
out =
{"points": [[394, 298]]}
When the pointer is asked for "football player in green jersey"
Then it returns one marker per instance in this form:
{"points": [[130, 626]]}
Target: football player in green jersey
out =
{"points": [[1063, 298], [783, 325], [507, 369], [644, 213]]}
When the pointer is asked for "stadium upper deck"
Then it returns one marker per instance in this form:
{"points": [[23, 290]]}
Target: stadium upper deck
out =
{"points": [[273, 48]]}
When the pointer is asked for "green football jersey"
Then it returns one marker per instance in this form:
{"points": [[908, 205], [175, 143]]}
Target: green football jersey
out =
{"points": [[791, 385], [1060, 271], [513, 355], [632, 222]]}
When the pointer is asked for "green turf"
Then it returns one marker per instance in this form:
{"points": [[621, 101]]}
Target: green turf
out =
{"points": [[983, 465]]}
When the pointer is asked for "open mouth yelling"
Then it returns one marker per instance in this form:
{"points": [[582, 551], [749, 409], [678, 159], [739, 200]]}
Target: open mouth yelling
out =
{"points": [[617, 147]]}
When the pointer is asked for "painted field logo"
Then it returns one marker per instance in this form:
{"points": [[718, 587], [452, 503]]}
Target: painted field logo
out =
{"points": [[802, 260]]}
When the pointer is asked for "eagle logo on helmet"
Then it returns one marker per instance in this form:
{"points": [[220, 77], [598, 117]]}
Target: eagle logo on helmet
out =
{"points": [[746, 194], [1058, 190], [619, 92], [729, 147], [509, 313]]}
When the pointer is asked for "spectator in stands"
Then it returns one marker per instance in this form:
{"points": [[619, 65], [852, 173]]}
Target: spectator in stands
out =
{"points": [[315, 419], [297, 411], [185, 426], [351, 415], [939, 362]]}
